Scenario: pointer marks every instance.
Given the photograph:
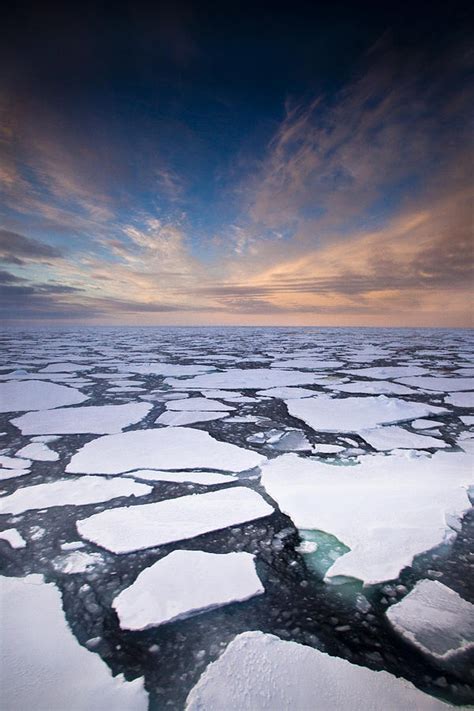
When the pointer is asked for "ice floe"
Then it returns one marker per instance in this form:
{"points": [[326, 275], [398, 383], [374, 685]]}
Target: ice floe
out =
{"points": [[353, 414], [42, 665], [285, 393], [460, 399], [160, 448], [185, 583], [178, 419], [309, 363], [205, 478], [247, 379], [260, 672], [440, 384], [198, 403], [393, 437], [436, 620], [38, 451], [13, 537], [385, 509], [377, 387], [387, 372], [94, 419], [75, 492], [132, 528], [19, 396], [76, 562], [425, 424]]}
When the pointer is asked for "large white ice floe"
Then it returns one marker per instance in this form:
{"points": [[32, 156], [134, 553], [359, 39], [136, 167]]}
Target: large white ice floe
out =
{"points": [[43, 667], [160, 448], [180, 419], [393, 437], [387, 372], [436, 620], [386, 509], [95, 419], [243, 379], [353, 414], [309, 363], [260, 672], [185, 583], [17, 396], [375, 387], [72, 492], [198, 403], [460, 399], [165, 369], [65, 368], [286, 393], [441, 384], [38, 451], [14, 538], [132, 528]]}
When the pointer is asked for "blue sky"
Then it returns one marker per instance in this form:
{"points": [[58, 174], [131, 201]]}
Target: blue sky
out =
{"points": [[223, 163]]}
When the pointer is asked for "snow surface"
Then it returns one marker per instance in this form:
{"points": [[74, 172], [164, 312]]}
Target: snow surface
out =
{"points": [[161, 448], [95, 419], [385, 509], [76, 492], [435, 619], [245, 379], [22, 395], [393, 437], [354, 414], [185, 583], [14, 538], [42, 665], [260, 672], [132, 528]]}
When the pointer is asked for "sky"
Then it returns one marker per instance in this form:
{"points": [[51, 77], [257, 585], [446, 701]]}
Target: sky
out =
{"points": [[296, 164]]}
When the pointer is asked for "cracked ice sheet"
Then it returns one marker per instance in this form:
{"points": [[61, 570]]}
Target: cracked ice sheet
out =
{"points": [[260, 672], [393, 437], [76, 492], [95, 419], [440, 384], [160, 448], [435, 619], [386, 509], [354, 414], [43, 666], [131, 528], [37, 395], [178, 419], [186, 583], [250, 379], [205, 478]]}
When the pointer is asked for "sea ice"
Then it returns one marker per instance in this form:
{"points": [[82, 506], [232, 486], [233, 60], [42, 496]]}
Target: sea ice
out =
{"points": [[309, 363], [205, 478], [160, 448], [38, 451], [43, 667], [285, 393], [435, 619], [76, 492], [100, 419], [185, 583], [132, 528], [198, 403], [467, 420], [393, 437], [377, 387], [460, 399], [247, 379], [178, 419], [76, 562], [14, 462], [260, 672], [385, 509], [387, 372], [65, 368], [14, 538], [425, 424], [353, 414], [36, 395]]}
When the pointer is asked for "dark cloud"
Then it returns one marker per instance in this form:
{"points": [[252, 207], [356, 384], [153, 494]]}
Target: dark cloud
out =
{"points": [[16, 248]]}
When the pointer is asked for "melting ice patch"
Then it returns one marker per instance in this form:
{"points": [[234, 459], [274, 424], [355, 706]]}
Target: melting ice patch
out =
{"points": [[260, 672], [186, 583], [385, 509], [132, 528]]}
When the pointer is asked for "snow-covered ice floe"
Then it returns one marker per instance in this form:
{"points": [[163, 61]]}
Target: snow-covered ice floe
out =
{"points": [[38, 451], [179, 419], [246, 379], [385, 509], [13, 537], [160, 448], [436, 620], [198, 404], [440, 384], [260, 672], [19, 396], [76, 492], [460, 399], [43, 667], [393, 437], [353, 414], [132, 528], [185, 583], [95, 419]]}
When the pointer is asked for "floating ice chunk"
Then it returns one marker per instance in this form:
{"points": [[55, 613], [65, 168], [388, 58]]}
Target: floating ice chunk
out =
{"points": [[36, 395], [286, 393], [251, 379], [42, 666], [440, 384], [205, 478], [38, 451], [76, 562], [387, 372], [260, 672], [198, 403], [132, 528], [76, 492], [65, 368], [14, 462], [378, 387], [436, 620], [320, 448], [309, 363], [12, 473], [165, 369], [161, 448], [245, 418], [100, 419], [178, 419], [425, 424], [384, 438], [460, 399], [353, 414], [385, 509], [186, 583], [467, 420], [14, 538]]}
